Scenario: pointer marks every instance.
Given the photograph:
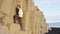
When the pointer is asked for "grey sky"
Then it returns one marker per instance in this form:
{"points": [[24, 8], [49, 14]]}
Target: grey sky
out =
{"points": [[50, 8]]}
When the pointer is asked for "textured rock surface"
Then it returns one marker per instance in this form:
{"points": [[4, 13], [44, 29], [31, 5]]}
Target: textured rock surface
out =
{"points": [[33, 21]]}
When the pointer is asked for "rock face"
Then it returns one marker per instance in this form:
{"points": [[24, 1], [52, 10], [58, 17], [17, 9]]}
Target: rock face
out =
{"points": [[33, 21]]}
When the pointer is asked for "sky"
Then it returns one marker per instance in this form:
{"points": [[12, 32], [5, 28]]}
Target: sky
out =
{"points": [[50, 8]]}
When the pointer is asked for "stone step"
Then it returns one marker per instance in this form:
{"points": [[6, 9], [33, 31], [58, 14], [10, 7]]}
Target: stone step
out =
{"points": [[14, 29], [21, 32]]}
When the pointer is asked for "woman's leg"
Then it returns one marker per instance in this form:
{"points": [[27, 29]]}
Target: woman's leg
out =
{"points": [[20, 22]]}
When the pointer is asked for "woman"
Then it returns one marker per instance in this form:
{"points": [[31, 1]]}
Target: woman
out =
{"points": [[19, 15]]}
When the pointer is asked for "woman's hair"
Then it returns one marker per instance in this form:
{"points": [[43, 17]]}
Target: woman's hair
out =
{"points": [[19, 6]]}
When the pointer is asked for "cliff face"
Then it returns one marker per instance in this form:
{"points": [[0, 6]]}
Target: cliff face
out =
{"points": [[33, 20]]}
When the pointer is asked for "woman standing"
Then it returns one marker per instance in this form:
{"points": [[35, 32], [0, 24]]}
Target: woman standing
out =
{"points": [[19, 15]]}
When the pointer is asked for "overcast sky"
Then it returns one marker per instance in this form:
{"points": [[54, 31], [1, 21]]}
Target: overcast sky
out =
{"points": [[50, 8]]}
